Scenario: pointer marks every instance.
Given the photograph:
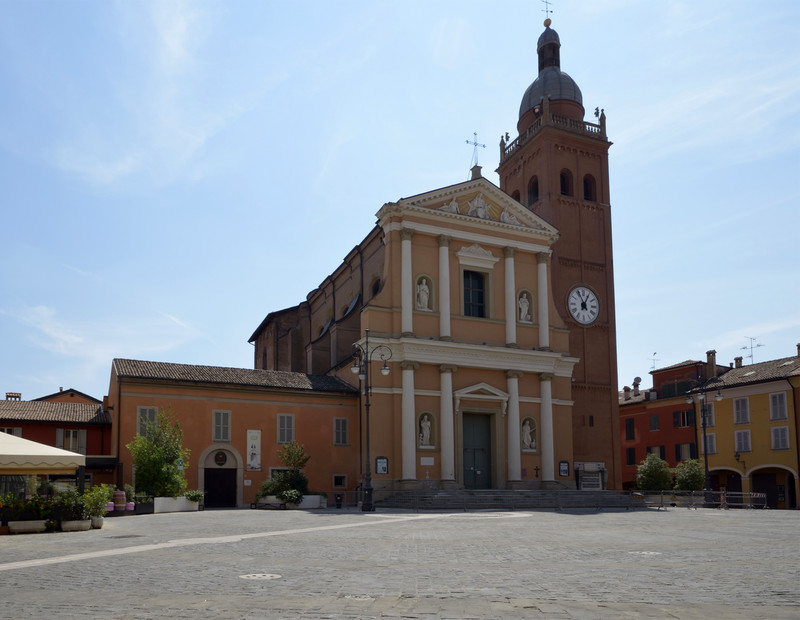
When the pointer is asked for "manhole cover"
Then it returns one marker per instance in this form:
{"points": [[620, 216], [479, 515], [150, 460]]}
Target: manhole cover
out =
{"points": [[260, 576], [126, 536]]}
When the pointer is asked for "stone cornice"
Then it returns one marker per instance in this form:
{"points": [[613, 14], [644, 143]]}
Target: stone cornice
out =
{"points": [[471, 355]]}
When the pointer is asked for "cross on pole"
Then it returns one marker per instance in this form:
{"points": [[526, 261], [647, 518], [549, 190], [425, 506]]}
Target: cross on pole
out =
{"points": [[547, 9], [475, 144]]}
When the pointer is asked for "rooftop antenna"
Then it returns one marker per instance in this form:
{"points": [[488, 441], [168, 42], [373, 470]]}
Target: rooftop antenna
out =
{"points": [[655, 359], [751, 347], [475, 144]]}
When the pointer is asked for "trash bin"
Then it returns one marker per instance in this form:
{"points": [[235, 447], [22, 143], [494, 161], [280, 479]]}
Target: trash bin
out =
{"points": [[338, 498]]}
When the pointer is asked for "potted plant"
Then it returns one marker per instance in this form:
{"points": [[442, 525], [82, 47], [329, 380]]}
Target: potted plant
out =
{"points": [[130, 494], [71, 509], [96, 501], [194, 498], [27, 515]]}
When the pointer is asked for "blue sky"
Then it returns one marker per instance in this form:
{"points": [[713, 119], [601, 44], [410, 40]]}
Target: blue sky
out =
{"points": [[173, 171]]}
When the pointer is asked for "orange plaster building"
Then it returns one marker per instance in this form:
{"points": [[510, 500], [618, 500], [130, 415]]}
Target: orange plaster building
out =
{"points": [[235, 420]]}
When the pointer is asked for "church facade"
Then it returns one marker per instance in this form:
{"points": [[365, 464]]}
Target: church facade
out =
{"points": [[485, 313]]}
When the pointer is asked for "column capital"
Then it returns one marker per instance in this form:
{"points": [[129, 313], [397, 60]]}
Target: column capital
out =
{"points": [[406, 365], [542, 257], [448, 368], [406, 234], [444, 241], [514, 374], [546, 376], [508, 251]]}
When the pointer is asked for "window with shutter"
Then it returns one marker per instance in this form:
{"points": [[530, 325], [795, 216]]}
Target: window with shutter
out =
{"points": [[742, 441], [777, 406], [780, 438], [741, 411]]}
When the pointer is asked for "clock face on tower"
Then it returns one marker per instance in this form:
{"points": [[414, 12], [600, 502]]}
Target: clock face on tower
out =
{"points": [[583, 305]]}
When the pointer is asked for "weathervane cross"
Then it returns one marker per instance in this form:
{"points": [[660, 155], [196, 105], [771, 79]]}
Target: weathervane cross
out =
{"points": [[475, 144], [547, 9]]}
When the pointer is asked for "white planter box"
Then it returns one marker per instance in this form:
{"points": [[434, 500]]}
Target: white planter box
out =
{"points": [[174, 504], [27, 527], [76, 526]]}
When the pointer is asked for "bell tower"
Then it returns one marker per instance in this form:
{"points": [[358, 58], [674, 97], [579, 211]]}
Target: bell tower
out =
{"points": [[557, 167]]}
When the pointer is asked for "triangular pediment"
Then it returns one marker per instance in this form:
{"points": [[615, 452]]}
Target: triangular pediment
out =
{"points": [[474, 201]]}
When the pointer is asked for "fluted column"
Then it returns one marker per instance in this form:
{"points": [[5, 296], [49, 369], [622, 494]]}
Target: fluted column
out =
{"points": [[514, 446], [444, 286], [543, 301], [546, 422], [447, 422], [511, 297], [408, 422], [406, 282]]}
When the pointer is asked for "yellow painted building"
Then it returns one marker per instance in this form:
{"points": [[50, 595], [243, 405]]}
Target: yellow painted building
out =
{"points": [[751, 429]]}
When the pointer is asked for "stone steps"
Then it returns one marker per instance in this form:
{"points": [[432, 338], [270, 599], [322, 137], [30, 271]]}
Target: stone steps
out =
{"points": [[505, 500]]}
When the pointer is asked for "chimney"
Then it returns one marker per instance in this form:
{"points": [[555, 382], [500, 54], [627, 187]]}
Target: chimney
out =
{"points": [[798, 349], [711, 363], [627, 391], [636, 382], [13, 396], [738, 362]]}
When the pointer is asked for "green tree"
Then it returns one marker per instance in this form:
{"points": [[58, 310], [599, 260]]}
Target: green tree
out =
{"points": [[690, 475], [294, 458], [156, 455], [653, 474]]}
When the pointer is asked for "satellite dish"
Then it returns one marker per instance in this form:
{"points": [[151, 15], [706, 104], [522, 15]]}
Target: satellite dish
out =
{"points": [[637, 380]]}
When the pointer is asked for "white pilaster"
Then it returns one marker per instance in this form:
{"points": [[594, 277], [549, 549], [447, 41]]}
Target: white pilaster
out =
{"points": [[514, 446], [543, 301], [447, 422], [546, 421], [406, 282], [510, 297], [408, 422], [444, 286]]}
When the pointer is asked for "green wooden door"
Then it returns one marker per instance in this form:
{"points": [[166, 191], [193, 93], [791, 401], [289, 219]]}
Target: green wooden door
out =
{"points": [[477, 451]]}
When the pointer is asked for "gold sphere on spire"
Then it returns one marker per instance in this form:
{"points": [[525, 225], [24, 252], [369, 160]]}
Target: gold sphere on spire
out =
{"points": [[547, 23]]}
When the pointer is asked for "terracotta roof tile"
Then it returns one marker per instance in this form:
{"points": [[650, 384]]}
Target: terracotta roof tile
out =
{"points": [[43, 411], [275, 379]]}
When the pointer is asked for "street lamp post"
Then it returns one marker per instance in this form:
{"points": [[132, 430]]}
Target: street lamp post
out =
{"points": [[701, 395], [362, 356]]}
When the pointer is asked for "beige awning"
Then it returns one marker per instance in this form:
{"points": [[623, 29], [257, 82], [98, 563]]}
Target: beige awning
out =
{"points": [[22, 456]]}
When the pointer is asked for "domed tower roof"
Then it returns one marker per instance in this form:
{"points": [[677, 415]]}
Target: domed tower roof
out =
{"points": [[551, 81]]}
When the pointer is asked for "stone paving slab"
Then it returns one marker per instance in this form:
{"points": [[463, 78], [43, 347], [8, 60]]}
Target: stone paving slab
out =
{"points": [[343, 564]]}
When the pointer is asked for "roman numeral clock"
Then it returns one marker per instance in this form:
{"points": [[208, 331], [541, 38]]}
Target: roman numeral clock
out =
{"points": [[583, 305]]}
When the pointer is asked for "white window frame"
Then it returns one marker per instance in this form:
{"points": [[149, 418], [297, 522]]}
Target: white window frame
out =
{"points": [[710, 418], [71, 440], [711, 440], [742, 441], [777, 406], [152, 416], [741, 411], [285, 431], [341, 432], [780, 437], [221, 425]]}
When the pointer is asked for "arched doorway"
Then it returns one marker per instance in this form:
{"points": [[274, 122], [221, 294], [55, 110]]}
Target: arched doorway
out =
{"points": [[220, 468]]}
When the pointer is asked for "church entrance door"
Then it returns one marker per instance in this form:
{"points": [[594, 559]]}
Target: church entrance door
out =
{"points": [[220, 488], [477, 451]]}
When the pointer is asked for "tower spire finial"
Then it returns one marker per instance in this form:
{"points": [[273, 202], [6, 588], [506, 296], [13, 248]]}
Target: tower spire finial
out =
{"points": [[547, 11]]}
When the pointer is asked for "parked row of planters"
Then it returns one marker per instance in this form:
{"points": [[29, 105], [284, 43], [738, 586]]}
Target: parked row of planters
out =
{"points": [[67, 511], [70, 511]]}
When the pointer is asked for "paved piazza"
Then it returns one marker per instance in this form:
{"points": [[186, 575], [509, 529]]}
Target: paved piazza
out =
{"points": [[333, 563]]}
